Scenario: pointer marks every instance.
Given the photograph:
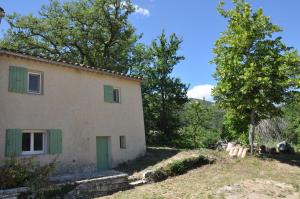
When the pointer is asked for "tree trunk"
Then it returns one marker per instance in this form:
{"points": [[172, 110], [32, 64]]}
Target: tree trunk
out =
{"points": [[194, 137], [252, 131]]}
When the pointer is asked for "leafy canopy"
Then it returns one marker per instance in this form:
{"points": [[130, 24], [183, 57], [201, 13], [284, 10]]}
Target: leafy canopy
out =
{"points": [[255, 70], [93, 32]]}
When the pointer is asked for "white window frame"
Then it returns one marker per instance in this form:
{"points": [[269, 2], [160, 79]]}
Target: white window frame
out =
{"points": [[32, 151], [119, 93], [40, 86]]}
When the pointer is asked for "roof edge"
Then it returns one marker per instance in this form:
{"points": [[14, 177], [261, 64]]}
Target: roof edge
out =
{"points": [[78, 66]]}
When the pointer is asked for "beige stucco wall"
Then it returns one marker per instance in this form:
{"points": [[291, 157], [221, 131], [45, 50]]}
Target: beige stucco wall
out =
{"points": [[73, 100]]}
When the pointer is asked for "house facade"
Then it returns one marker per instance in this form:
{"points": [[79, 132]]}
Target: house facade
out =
{"points": [[88, 119]]}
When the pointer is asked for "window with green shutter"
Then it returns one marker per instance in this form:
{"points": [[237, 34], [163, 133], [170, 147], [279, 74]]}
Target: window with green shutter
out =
{"points": [[13, 142], [55, 141], [108, 93], [17, 79]]}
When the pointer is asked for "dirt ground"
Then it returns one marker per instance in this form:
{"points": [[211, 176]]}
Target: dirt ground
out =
{"points": [[260, 189], [253, 177]]}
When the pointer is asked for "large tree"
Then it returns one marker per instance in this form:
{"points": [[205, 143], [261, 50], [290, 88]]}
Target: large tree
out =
{"points": [[93, 32], [163, 95], [255, 69]]}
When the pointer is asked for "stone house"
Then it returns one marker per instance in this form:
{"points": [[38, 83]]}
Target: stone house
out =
{"points": [[89, 119]]}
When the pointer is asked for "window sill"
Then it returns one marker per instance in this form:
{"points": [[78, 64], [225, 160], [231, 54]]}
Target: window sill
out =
{"points": [[31, 153], [33, 93]]}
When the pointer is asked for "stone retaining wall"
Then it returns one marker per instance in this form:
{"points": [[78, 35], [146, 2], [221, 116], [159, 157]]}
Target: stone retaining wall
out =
{"points": [[88, 188], [12, 193], [99, 186]]}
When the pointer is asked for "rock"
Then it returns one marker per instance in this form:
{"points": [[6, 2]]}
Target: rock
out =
{"points": [[245, 151], [284, 147], [262, 149], [235, 151], [231, 152], [221, 145], [138, 183], [271, 150], [230, 145], [240, 152], [147, 174]]}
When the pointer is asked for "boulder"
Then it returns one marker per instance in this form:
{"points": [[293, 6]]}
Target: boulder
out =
{"points": [[271, 150], [147, 174], [230, 145], [262, 149], [240, 152], [284, 147], [245, 151], [235, 151], [231, 152]]}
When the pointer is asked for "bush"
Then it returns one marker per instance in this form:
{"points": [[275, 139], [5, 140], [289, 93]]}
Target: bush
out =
{"points": [[182, 166], [178, 167], [26, 173]]}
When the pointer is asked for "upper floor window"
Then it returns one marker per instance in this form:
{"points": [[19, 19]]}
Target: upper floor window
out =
{"points": [[116, 95], [34, 82], [22, 80], [112, 94]]}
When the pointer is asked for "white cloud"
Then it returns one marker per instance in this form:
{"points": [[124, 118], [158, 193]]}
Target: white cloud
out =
{"points": [[201, 91], [138, 9], [142, 11]]}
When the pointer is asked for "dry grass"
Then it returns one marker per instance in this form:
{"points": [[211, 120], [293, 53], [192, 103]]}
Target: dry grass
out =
{"points": [[207, 181]]}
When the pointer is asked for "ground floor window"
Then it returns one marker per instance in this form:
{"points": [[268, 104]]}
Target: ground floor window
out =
{"points": [[33, 142], [122, 142]]}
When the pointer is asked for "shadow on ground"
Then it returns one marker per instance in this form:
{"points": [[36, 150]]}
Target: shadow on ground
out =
{"points": [[291, 159], [152, 157]]}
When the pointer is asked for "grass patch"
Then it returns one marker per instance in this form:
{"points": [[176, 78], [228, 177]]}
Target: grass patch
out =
{"points": [[205, 181]]}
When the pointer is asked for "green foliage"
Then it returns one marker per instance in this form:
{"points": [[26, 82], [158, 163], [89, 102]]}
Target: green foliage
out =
{"points": [[26, 173], [255, 69], [178, 167], [202, 125], [163, 95], [92, 32], [235, 127], [292, 116]]}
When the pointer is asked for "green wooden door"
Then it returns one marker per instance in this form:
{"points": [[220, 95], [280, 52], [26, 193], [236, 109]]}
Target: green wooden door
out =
{"points": [[102, 153]]}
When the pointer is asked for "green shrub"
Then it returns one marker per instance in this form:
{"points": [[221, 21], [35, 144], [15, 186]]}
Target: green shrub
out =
{"points": [[158, 175], [25, 172], [178, 167]]}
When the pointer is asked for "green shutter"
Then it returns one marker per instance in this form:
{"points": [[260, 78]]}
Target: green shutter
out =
{"points": [[108, 93], [55, 141], [17, 79], [13, 145]]}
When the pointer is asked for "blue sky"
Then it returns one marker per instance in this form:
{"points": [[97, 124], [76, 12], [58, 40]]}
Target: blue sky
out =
{"points": [[199, 25]]}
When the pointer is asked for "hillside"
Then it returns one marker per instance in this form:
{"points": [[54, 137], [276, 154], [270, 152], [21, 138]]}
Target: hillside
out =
{"points": [[253, 177]]}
